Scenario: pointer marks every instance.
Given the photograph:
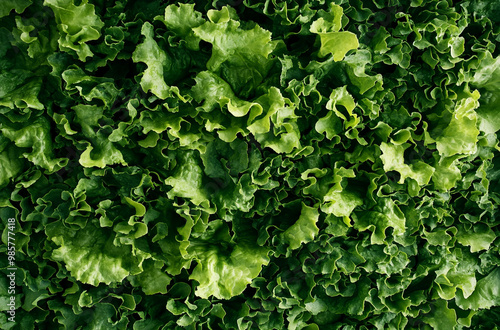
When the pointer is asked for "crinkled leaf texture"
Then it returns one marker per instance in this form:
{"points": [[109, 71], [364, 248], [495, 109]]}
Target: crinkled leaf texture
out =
{"points": [[224, 269], [91, 255], [250, 164], [77, 25]]}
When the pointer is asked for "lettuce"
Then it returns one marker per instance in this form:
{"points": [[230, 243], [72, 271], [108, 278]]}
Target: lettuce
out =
{"points": [[250, 164]]}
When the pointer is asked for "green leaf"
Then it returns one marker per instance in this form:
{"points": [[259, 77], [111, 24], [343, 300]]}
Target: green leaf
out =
{"points": [[187, 179], [337, 44], [446, 174], [181, 19], [479, 238], [393, 160], [487, 78], [12, 164], [442, 317], [230, 41], [151, 280], [18, 5], [240, 55], [213, 90], [155, 58], [91, 255], [460, 136], [250, 164], [77, 25], [386, 214], [35, 136], [332, 41], [486, 294], [224, 269], [304, 230], [340, 203]]}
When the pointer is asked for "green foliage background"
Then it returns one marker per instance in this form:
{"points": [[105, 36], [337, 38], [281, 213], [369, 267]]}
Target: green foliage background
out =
{"points": [[298, 164]]}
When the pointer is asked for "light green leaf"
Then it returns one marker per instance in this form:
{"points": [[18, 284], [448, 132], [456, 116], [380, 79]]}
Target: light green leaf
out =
{"points": [[91, 255], [182, 18], [224, 269], [446, 174], [479, 237], [77, 25], [337, 44], [333, 41], [304, 230], [152, 279], [385, 214], [460, 136], [37, 137], [240, 56], [487, 78], [486, 294], [393, 160], [105, 154], [10, 164], [340, 203], [442, 317], [230, 41], [187, 179], [213, 90], [155, 58]]}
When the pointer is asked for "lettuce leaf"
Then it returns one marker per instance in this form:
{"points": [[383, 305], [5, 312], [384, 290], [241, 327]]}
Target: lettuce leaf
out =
{"points": [[250, 164]]}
